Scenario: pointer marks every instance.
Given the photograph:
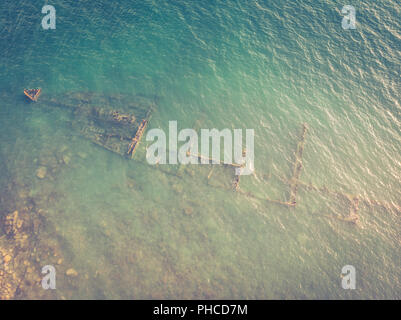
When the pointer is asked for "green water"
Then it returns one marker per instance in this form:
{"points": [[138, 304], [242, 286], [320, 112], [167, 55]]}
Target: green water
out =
{"points": [[132, 230]]}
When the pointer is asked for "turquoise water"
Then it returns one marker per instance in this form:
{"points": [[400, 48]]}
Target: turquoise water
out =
{"points": [[132, 230]]}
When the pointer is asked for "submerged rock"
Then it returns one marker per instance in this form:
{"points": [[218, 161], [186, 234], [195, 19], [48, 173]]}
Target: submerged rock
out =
{"points": [[63, 148], [66, 159], [23, 194], [188, 211], [177, 188], [41, 172]]}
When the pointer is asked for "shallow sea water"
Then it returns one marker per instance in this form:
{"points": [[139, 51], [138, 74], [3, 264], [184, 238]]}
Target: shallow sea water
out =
{"points": [[132, 230]]}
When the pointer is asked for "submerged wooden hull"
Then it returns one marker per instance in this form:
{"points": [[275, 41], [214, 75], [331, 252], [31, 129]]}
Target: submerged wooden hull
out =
{"points": [[114, 122]]}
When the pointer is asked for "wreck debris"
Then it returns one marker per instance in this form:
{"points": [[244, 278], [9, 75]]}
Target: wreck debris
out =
{"points": [[33, 94], [110, 141], [112, 129], [236, 183], [237, 176], [197, 126], [115, 137], [353, 212], [135, 141], [296, 172], [213, 161], [112, 115], [286, 204], [346, 197], [392, 207], [210, 174], [294, 181]]}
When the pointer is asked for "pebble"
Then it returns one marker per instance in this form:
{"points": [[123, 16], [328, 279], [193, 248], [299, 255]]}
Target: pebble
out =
{"points": [[23, 194], [66, 159], [41, 172], [71, 272], [63, 148], [7, 258], [177, 188], [82, 155], [188, 211]]}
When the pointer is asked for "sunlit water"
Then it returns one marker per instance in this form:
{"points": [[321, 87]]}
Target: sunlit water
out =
{"points": [[132, 230]]}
